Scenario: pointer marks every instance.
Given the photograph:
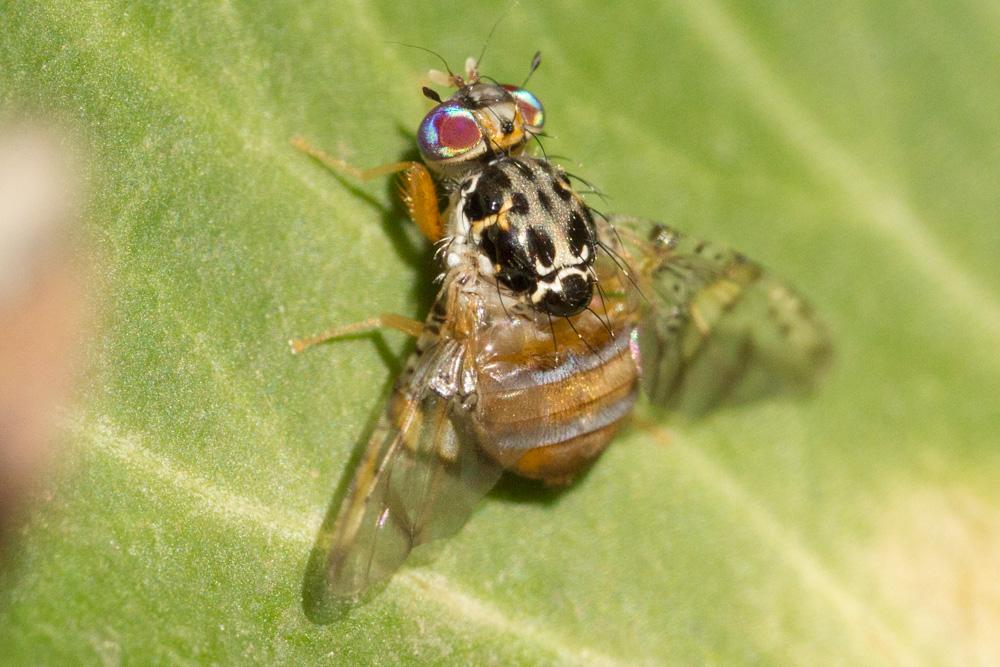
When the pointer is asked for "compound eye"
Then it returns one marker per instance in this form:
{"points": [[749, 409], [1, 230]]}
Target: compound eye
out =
{"points": [[449, 131], [531, 109]]}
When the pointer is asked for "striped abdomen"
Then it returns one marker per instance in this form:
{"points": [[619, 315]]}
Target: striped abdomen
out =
{"points": [[548, 418]]}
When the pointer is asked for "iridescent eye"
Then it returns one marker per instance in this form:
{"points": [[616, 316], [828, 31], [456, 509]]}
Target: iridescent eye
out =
{"points": [[447, 132], [529, 106]]}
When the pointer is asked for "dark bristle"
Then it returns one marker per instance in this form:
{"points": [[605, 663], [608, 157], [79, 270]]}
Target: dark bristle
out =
{"points": [[586, 342], [603, 323], [426, 50], [604, 303], [552, 328]]}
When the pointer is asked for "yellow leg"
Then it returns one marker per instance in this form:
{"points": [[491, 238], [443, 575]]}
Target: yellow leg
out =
{"points": [[416, 186], [419, 194], [383, 321]]}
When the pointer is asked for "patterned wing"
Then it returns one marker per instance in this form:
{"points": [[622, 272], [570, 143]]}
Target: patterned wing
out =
{"points": [[418, 480], [717, 325]]}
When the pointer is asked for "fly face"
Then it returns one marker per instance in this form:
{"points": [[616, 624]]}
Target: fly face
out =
{"points": [[533, 233], [480, 121]]}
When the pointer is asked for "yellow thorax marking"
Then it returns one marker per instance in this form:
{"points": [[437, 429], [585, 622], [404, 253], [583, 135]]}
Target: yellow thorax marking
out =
{"points": [[500, 219]]}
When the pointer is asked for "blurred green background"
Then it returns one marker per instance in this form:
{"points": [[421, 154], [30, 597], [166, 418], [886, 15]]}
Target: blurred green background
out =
{"points": [[852, 147]]}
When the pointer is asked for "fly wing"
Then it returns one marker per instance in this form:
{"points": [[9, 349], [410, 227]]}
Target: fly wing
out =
{"points": [[418, 480], [716, 324]]}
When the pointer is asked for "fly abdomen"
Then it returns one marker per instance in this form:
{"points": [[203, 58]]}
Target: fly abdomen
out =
{"points": [[548, 420]]}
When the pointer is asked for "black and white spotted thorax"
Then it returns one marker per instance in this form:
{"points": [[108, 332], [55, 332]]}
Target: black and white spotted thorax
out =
{"points": [[532, 233]]}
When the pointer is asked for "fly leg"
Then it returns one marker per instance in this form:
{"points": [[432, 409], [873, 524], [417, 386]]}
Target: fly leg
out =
{"points": [[385, 321], [416, 186]]}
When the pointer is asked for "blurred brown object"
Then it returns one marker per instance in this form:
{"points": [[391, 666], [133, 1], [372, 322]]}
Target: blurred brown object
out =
{"points": [[42, 303]]}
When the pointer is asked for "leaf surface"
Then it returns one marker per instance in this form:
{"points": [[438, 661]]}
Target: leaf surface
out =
{"points": [[850, 147]]}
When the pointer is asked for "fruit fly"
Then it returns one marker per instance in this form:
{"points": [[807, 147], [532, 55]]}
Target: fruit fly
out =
{"points": [[549, 319]]}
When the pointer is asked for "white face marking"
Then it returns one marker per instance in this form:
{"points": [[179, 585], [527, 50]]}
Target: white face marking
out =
{"points": [[555, 285], [542, 269], [572, 271], [540, 291], [461, 222]]}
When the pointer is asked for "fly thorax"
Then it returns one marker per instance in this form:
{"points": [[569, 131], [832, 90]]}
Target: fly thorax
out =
{"points": [[534, 235]]}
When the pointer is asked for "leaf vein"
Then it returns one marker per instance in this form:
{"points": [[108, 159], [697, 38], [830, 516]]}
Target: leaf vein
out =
{"points": [[230, 508]]}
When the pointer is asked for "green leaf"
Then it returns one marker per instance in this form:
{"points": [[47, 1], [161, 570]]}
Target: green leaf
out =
{"points": [[851, 147]]}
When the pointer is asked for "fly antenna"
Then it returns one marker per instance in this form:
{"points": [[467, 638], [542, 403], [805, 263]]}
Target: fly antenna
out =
{"points": [[536, 60]]}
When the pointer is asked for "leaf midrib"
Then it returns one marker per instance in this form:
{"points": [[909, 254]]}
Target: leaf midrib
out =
{"points": [[224, 506]]}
